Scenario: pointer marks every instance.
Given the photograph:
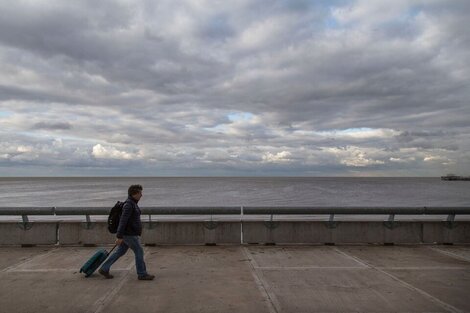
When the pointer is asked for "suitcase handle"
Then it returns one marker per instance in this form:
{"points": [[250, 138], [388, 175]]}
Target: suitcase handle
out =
{"points": [[112, 249]]}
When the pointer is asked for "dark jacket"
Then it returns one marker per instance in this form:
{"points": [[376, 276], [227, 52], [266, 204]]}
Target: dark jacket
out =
{"points": [[130, 224]]}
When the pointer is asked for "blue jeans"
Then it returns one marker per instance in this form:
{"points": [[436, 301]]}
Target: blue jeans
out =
{"points": [[132, 242]]}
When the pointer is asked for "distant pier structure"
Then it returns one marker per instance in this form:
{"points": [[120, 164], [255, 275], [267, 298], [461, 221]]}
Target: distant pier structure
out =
{"points": [[455, 177]]}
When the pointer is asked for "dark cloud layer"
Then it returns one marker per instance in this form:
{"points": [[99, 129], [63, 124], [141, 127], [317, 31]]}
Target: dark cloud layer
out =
{"points": [[52, 126], [242, 88]]}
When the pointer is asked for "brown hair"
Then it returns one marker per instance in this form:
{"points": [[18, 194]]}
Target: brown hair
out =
{"points": [[133, 189]]}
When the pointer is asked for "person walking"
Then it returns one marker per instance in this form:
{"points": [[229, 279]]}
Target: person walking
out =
{"points": [[128, 236]]}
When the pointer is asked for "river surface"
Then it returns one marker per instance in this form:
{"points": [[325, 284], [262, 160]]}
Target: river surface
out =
{"points": [[235, 191]]}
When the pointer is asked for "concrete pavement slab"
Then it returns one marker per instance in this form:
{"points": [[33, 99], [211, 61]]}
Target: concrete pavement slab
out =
{"points": [[346, 290], [300, 256], [459, 252], [402, 256], [72, 258], [449, 286], [271, 279], [52, 292], [11, 256], [192, 279]]}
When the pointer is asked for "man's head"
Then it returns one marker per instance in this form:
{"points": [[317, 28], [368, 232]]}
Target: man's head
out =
{"points": [[135, 191]]}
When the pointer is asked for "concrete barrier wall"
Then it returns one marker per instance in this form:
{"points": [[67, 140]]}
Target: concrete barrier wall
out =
{"points": [[442, 232], [191, 233], [280, 232], [13, 233], [339, 232], [73, 233]]}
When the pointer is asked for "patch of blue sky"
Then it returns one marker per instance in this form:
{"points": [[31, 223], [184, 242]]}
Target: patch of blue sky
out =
{"points": [[412, 12], [356, 130], [240, 116], [331, 23], [47, 136], [406, 16], [218, 27], [33, 133], [221, 128], [232, 117], [5, 113], [348, 131]]}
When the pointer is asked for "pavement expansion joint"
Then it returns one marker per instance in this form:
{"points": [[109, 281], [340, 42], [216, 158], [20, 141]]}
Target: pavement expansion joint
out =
{"points": [[28, 260], [102, 302], [424, 268], [45, 270], [451, 254], [266, 291], [289, 268], [356, 259]]}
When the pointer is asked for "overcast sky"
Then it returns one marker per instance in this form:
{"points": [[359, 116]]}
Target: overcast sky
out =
{"points": [[202, 88]]}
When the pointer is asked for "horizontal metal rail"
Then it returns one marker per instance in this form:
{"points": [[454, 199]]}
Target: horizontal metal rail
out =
{"points": [[356, 210], [26, 211], [232, 210], [153, 210]]}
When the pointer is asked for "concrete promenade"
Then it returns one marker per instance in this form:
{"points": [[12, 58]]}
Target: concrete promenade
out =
{"points": [[242, 278]]}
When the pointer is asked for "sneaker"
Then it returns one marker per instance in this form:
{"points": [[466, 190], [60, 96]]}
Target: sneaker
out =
{"points": [[146, 277], [105, 274]]}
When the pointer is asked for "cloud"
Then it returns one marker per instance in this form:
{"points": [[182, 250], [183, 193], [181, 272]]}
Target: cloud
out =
{"points": [[360, 133], [356, 156], [280, 157], [402, 160], [110, 152], [251, 87], [52, 125], [23, 149]]}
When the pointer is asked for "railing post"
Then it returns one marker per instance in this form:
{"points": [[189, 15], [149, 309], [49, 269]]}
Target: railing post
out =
{"points": [[211, 224], [241, 224], [25, 224], [390, 224], [271, 224], [450, 222], [88, 224], [331, 222], [150, 226]]}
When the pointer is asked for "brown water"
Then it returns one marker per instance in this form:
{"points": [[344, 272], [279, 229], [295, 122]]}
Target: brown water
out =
{"points": [[236, 191]]}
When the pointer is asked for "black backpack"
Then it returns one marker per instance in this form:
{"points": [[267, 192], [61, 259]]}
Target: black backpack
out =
{"points": [[114, 217]]}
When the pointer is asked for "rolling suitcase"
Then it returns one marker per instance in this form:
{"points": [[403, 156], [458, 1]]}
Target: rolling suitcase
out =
{"points": [[95, 261]]}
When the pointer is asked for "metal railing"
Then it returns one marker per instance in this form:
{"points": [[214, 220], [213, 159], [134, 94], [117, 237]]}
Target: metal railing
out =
{"points": [[451, 212], [237, 210], [241, 211]]}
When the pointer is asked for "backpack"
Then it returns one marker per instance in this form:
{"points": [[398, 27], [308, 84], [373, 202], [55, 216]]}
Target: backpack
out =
{"points": [[114, 217]]}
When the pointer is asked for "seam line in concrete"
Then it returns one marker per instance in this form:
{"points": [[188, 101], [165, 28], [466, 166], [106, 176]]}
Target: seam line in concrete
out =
{"points": [[131, 265], [451, 254], [441, 303], [424, 268], [102, 302], [28, 260], [271, 300], [45, 270], [363, 264], [288, 268]]}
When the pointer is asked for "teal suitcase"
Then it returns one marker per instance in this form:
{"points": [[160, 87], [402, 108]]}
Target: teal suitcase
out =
{"points": [[95, 261]]}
